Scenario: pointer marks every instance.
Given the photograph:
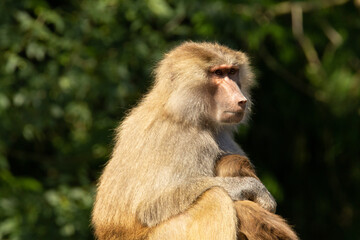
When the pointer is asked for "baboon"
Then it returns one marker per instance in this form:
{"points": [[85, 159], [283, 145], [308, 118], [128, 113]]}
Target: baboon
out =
{"points": [[234, 166], [254, 221], [160, 182]]}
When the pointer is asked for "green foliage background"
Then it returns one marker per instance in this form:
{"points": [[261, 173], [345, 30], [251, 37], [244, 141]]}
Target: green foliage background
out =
{"points": [[69, 70]]}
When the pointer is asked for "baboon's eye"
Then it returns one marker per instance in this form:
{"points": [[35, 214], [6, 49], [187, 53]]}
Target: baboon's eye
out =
{"points": [[232, 71], [218, 72]]}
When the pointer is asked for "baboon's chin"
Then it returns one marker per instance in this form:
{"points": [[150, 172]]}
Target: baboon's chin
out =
{"points": [[232, 117]]}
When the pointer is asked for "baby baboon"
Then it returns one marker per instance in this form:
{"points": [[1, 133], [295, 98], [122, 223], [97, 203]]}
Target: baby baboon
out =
{"points": [[254, 221]]}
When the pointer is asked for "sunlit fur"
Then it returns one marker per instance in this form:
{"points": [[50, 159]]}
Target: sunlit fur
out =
{"points": [[159, 182]]}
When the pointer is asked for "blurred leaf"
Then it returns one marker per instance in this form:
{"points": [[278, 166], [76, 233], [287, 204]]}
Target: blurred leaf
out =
{"points": [[160, 8], [35, 50]]}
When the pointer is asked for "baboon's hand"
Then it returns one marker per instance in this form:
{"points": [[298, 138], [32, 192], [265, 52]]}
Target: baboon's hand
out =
{"points": [[249, 188], [266, 200]]}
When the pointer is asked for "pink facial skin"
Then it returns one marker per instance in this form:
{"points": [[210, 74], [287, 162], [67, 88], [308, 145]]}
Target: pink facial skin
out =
{"points": [[229, 100]]}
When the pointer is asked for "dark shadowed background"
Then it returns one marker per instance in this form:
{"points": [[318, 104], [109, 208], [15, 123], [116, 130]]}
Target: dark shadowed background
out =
{"points": [[69, 70]]}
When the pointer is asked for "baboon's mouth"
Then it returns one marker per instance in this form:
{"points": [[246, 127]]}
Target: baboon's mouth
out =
{"points": [[235, 112]]}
